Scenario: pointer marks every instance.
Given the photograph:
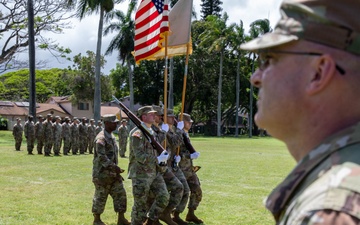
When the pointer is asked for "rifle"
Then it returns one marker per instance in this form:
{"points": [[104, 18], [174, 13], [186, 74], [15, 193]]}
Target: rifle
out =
{"points": [[156, 145], [186, 139]]}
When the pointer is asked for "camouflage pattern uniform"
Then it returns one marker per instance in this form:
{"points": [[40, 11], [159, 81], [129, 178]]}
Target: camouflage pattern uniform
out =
{"points": [[145, 177], [186, 165], [66, 133], [74, 130], [57, 130], [106, 180], [91, 135], [29, 132], [48, 135], [324, 187], [17, 134], [174, 140], [39, 134], [123, 132], [83, 136], [99, 128]]}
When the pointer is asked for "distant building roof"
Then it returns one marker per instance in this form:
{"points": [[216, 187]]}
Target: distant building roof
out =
{"points": [[58, 99], [112, 110]]}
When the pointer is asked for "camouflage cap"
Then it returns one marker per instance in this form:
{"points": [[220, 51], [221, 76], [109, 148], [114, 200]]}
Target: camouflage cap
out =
{"points": [[170, 112], [110, 118], [49, 115], [92, 120], [187, 117], [57, 117], [158, 109], [124, 120], [40, 116], [145, 109], [327, 22]]}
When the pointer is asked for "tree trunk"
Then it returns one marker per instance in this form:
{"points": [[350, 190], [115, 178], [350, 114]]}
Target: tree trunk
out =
{"points": [[97, 95], [219, 96], [32, 87], [131, 87], [237, 97]]}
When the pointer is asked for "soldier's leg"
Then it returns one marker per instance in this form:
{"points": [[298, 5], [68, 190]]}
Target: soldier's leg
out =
{"points": [[118, 194], [185, 197], [195, 198], [40, 145], [161, 198], [140, 189], [99, 201], [174, 186]]}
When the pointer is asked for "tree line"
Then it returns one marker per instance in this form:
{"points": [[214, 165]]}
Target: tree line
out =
{"points": [[218, 84]]}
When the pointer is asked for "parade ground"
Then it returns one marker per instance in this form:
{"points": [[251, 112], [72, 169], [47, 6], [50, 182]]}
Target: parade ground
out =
{"points": [[236, 175]]}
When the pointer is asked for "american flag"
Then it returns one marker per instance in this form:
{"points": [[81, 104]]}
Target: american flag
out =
{"points": [[151, 25]]}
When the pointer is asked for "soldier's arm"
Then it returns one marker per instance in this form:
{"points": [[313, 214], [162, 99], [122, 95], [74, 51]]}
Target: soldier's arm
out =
{"points": [[141, 153], [101, 153]]}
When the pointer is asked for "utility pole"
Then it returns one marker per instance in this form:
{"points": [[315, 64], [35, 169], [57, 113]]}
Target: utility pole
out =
{"points": [[32, 90]]}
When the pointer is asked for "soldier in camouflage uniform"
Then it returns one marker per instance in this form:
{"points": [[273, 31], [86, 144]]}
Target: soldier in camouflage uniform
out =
{"points": [[29, 132], [83, 136], [106, 174], [17, 134], [66, 132], [143, 171], [186, 165], [91, 135], [48, 135], [308, 80], [39, 134], [57, 130], [181, 196], [74, 130], [99, 127], [123, 133]]}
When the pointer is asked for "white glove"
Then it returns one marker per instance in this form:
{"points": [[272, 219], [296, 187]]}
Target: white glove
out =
{"points": [[177, 158], [165, 127], [180, 125], [163, 157], [195, 155]]}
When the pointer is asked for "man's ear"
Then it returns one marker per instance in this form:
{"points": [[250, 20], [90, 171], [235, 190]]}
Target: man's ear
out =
{"points": [[325, 69]]}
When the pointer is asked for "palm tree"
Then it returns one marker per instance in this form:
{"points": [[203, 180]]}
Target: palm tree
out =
{"points": [[123, 41], [217, 36], [88, 7], [237, 39], [258, 27]]}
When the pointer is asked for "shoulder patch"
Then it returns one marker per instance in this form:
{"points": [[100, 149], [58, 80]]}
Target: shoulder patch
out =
{"points": [[100, 141], [137, 134]]}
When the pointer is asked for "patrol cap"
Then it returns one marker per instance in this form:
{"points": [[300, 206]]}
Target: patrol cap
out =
{"points": [[158, 109], [49, 115], [40, 116], [57, 117], [328, 22], [170, 112], [123, 120], [145, 110], [30, 116], [18, 119], [92, 120], [110, 118], [67, 118], [187, 117]]}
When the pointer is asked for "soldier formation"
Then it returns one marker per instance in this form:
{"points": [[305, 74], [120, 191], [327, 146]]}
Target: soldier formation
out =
{"points": [[162, 185], [54, 134]]}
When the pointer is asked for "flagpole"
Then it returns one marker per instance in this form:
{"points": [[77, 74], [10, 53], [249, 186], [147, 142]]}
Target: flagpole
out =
{"points": [[184, 87], [185, 80], [166, 78]]}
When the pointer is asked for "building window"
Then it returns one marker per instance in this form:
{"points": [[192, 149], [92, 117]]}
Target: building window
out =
{"points": [[83, 106]]}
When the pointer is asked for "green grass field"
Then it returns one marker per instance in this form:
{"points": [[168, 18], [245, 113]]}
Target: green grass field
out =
{"points": [[236, 176]]}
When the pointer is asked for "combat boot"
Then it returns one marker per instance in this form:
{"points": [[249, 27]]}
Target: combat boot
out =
{"points": [[148, 222], [97, 220], [178, 220], [190, 217], [122, 220], [166, 217]]}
